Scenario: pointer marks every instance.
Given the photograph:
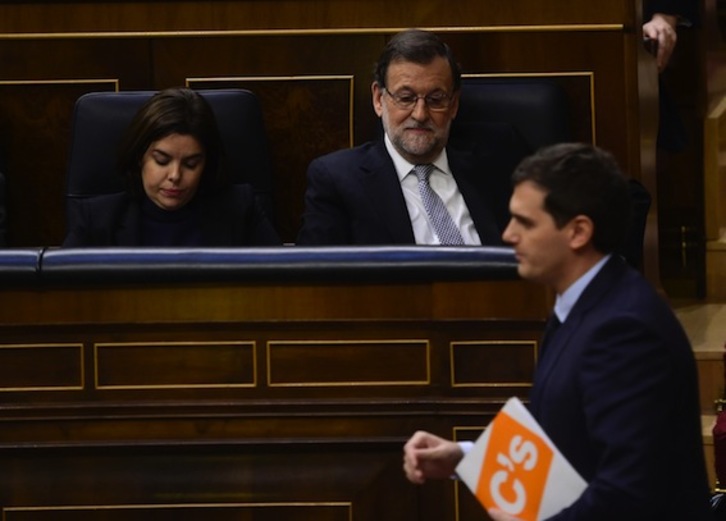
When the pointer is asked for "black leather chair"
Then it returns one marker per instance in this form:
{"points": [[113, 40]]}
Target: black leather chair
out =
{"points": [[521, 115], [100, 118], [508, 119], [527, 112]]}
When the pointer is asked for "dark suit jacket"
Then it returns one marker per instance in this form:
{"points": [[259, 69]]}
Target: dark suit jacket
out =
{"points": [[673, 136], [354, 196], [686, 8], [616, 390], [229, 218]]}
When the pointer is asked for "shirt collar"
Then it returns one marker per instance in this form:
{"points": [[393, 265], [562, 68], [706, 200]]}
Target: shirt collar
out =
{"points": [[567, 300], [403, 167]]}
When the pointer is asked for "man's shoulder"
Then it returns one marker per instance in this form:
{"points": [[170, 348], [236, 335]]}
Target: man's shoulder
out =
{"points": [[617, 276], [371, 148], [347, 164], [626, 291]]}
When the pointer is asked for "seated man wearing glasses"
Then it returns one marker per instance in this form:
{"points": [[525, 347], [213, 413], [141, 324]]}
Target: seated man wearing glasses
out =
{"points": [[409, 187]]}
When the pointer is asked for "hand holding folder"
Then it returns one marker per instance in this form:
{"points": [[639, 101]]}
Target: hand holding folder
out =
{"points": [[516, 468]]}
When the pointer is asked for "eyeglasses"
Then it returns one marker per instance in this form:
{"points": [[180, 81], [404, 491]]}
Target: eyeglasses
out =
{"points": [[438, 101]]}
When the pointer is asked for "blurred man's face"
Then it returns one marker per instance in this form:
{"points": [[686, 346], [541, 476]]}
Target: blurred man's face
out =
{"points": [[542, 250]]}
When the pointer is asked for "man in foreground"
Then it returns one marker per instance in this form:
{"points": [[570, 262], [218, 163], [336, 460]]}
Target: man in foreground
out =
{"points": [[616, 385]]}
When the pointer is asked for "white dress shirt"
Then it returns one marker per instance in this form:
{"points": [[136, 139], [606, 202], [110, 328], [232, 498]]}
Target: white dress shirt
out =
{"points": [[443, 183]]}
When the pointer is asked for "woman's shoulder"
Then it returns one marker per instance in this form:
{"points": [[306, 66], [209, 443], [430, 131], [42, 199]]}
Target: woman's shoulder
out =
{"points": [[100, 210], [92, 221], [106, 202]]}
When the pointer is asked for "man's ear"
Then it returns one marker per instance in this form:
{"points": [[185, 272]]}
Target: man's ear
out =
{"points": [[581, 229], [377, 95], [454, 108]]}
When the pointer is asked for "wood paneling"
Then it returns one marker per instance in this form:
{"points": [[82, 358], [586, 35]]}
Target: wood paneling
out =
{"points": [[380, 362], [254, 400], [202, 483], [35, 121], [62, 367], [46, 16], [145, 365]]}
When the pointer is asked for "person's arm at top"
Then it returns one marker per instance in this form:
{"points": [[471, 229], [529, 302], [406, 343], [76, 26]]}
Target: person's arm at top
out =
{"points": [[662, 17], [662, 29]]}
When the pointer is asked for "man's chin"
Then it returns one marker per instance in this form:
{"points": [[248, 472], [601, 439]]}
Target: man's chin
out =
{"points": [[523, 271], [421, 154]]}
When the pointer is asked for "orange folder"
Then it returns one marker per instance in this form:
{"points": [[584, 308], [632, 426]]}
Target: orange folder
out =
{"points": [[516, 468]]}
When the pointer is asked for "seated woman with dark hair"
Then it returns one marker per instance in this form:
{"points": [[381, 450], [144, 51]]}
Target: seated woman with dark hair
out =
{"points": [[178, 190]]}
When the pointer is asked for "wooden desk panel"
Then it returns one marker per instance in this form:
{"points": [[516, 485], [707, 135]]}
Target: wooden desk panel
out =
{"points": [[249, 400]]}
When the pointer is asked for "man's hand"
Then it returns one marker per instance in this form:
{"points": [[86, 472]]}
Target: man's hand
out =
{"points": [[426, 456], [662, 28]]}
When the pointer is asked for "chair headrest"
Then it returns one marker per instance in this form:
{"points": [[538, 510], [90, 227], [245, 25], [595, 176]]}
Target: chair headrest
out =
{"points": [[536, 108], [100, 119]]}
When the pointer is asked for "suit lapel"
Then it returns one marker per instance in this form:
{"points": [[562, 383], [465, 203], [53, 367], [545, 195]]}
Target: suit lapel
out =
{"points": [[557, 346], [561, 341], [382, 188]]}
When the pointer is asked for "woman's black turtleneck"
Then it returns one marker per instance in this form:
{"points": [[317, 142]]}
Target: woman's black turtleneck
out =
{"points": [[161, 227]]}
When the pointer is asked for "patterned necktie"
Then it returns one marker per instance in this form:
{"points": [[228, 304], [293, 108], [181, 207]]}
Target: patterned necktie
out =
{"points": [[439, 216]]}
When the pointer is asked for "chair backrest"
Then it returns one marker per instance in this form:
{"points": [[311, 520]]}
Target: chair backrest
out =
{"points": [[537, 110], [521, 115], [505, 119], [100, 118]]}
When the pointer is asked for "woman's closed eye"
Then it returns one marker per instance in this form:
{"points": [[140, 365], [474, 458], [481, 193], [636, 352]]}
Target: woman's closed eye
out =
{"points": [[193, 162], [160, 158]]}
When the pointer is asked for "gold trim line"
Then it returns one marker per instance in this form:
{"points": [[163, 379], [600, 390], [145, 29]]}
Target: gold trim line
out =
{"points": [[311, 32]]}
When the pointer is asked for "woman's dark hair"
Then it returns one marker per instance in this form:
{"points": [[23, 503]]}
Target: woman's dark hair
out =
{"points": [[416, 46], [581, 179], [176, 110]]}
